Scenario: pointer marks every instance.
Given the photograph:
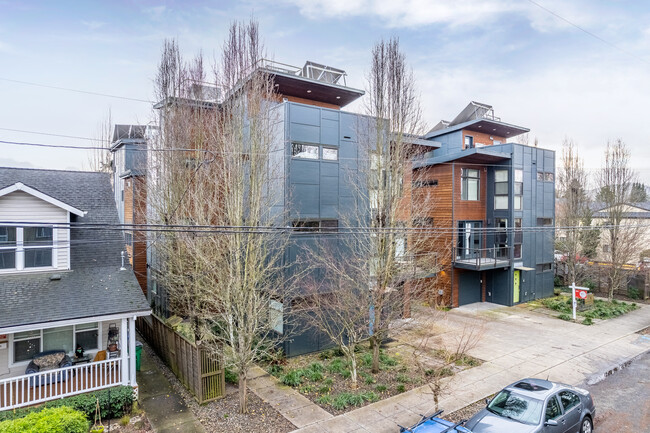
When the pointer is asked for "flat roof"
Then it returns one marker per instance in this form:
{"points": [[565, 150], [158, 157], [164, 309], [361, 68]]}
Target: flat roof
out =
{"points": [[477, 155], [487, 126], [308, 88]]}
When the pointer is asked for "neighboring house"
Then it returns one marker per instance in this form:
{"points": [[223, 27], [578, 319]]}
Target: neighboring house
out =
{"points": [[498, 199], [633, 214], [64, 284], [129, 150]]}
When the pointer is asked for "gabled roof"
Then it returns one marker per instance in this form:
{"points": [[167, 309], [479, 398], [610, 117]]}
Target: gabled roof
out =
{"points": [[19, 186], [95, 285]]}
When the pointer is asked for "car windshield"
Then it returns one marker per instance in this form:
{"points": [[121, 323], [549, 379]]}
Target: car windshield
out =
{"points": [[517, 407]]}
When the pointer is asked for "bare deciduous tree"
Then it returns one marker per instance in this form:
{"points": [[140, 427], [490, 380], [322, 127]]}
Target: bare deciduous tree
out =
{"points": [[100, 159], [365, 283], [213, 168], [622, 234], [573, 207]]}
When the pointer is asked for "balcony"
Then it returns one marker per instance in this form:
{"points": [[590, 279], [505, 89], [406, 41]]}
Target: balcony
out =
{"points": [[480, 259]]}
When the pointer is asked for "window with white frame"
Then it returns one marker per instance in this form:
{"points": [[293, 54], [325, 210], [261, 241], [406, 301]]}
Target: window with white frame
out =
{"points": [[29, 343], [26, 247]]}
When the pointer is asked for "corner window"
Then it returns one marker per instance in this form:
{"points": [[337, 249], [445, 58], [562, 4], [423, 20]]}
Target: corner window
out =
{"points": [[500, 189], [469, 186], [469, 142], [544, 267], [304, 151]]}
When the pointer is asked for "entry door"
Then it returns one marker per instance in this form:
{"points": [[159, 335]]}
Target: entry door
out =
{"points": [[515, 295], [469, 239]]}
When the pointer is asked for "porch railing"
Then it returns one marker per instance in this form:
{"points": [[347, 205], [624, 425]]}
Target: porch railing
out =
{"points": [[30, 389]]}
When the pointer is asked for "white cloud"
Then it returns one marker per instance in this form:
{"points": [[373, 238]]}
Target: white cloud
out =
{"points": [[155, 12], [410, 13], [93, 25]]}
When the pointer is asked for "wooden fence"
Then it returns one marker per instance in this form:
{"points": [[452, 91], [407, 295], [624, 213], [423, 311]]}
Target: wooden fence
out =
{"points": [[194, 366]]}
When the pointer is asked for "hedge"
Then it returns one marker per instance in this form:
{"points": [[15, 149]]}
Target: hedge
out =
{"points": [[50, 420], [121, 401]]}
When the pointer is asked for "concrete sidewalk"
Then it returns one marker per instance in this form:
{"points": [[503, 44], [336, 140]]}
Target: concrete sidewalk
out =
{"points": [[516, 343], [165, 409]]}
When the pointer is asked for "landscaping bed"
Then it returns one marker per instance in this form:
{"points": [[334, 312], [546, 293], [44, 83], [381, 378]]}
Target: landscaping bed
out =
{"points": [[586, 314], [222, 415], [325, 378]]}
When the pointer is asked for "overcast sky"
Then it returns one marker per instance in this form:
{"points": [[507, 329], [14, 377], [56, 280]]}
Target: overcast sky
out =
{"points": [[537, 70]]}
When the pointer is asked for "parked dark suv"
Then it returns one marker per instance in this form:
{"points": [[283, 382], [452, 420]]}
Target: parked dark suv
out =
{"points": [[536, 406]]}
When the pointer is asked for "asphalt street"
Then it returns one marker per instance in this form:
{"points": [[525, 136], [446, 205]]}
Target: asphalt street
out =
{"points": [[623, 399]]}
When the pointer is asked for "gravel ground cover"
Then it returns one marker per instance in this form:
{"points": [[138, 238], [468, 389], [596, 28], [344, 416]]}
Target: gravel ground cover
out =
{"points": [[222, 415]]}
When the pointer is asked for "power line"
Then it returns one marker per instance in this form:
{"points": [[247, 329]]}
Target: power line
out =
{"points": [[54, 135], [87, 92], [593, 35]]}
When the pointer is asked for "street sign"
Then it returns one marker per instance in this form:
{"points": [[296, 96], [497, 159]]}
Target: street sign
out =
{"points": [[577, 292]]}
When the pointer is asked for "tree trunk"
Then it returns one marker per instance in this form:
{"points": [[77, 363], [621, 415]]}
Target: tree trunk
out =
{"points": [[374, 343], [243, 398], [353, 370]]}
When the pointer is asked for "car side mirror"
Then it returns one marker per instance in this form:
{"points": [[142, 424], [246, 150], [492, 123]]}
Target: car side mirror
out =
{"points": [[487, 401], [551, 422]]}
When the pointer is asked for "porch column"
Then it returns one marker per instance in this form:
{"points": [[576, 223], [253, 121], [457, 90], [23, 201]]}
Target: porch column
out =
{"points": [[132, 351], [124, 369]]}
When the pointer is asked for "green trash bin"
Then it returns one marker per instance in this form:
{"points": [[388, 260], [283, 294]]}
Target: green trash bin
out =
{"points": [[138, 355]]}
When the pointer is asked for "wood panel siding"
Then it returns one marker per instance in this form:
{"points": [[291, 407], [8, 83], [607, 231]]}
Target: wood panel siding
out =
{"points": [[22, 207], [139, 236], [310, 102], [482, 138]]}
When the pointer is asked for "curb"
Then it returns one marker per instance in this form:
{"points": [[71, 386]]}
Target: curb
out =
{"points": [[599, 377]]}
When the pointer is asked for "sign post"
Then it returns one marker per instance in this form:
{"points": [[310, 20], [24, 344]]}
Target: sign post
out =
{"points": [[577, 292]]}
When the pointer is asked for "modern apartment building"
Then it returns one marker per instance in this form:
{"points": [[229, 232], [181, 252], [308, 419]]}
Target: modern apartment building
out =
{"points": [[493, 210]]}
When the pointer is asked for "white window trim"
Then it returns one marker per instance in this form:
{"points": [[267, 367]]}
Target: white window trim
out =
{"points": [[20, 249], [13, 364]]}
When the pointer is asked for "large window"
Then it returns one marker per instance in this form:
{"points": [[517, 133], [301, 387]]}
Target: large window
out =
{"points": [[29, 343], [304, 151], [501, 189], [26, 247], [314, 151], [470, 182], [316, 226]]}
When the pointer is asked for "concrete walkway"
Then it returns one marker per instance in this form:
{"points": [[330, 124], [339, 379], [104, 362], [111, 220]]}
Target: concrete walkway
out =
{"points": [[295, 407], [516, 343], [165, 409]]}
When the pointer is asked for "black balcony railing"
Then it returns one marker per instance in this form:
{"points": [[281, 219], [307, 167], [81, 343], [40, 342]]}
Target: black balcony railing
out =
{"points": [[483, 258]]}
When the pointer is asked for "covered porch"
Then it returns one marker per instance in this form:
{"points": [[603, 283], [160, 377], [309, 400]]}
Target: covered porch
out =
{"points": [[103, 365]]}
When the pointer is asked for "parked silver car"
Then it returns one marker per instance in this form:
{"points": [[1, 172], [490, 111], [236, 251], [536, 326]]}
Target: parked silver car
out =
{"points": [[536, 406]]}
